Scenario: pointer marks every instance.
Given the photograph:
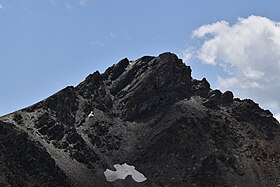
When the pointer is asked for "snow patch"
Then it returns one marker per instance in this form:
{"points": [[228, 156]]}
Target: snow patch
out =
{"points": [[122, 171], [91, 114], [129, 67]]}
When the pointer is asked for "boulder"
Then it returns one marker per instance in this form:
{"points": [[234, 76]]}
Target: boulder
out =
{"points": [[227, 97]]}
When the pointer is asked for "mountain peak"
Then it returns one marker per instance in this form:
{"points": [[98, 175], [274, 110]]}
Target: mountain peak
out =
{"points": [[151, 114], [148, 83]]}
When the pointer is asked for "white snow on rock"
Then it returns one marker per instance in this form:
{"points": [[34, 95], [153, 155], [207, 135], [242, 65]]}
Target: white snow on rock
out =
{"points": [[91, 114], [122, 171]]}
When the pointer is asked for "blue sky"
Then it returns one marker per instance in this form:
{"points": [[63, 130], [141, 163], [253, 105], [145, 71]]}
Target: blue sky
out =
{"points": [[49, 44]]}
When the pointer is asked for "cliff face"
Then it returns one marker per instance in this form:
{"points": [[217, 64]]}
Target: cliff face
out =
{"points": [[149, 113]]}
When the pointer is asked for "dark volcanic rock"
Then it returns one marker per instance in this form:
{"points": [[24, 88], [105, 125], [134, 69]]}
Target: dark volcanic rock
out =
{"points": [[26, 163], [149, 113], [200, 88], [214, 99], [115, 71], [227, 97], [149, 86]]}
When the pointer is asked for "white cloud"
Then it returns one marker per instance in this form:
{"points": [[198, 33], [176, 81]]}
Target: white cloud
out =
{"points": [[84, 2], [120, 35], [97, 44], [1, 7], [70, 5], [113, 36], [187, 55], [214, 28], [249, 51]]}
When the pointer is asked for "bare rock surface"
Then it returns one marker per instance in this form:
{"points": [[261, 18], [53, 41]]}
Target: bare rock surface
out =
{"points": [[149, 113]]}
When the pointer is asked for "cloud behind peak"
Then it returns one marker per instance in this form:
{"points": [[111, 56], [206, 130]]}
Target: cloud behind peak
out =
{"points": [[249, 50]]}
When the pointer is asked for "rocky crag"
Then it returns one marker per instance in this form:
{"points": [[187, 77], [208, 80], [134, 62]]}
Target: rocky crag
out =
{"points": [[149, 113]]}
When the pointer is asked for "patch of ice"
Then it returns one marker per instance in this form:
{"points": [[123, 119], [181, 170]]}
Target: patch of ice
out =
{"points": [[91, 114], [122, 171]]}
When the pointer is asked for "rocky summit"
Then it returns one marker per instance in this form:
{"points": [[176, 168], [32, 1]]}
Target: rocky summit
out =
{"points": [[147, 115]]}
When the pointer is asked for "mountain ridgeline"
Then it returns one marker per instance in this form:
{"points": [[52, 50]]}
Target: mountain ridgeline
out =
{"points": [[149, 113]]}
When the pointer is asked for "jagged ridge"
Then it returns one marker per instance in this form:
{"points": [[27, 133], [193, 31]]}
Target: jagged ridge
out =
{"points": [[152, 114]]}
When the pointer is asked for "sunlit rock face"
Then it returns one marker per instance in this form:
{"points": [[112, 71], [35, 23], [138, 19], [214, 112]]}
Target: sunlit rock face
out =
{"points": [[151, 113]]}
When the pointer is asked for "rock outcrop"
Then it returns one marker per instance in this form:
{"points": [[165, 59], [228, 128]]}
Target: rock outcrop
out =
{"points": [[149, 113]]}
